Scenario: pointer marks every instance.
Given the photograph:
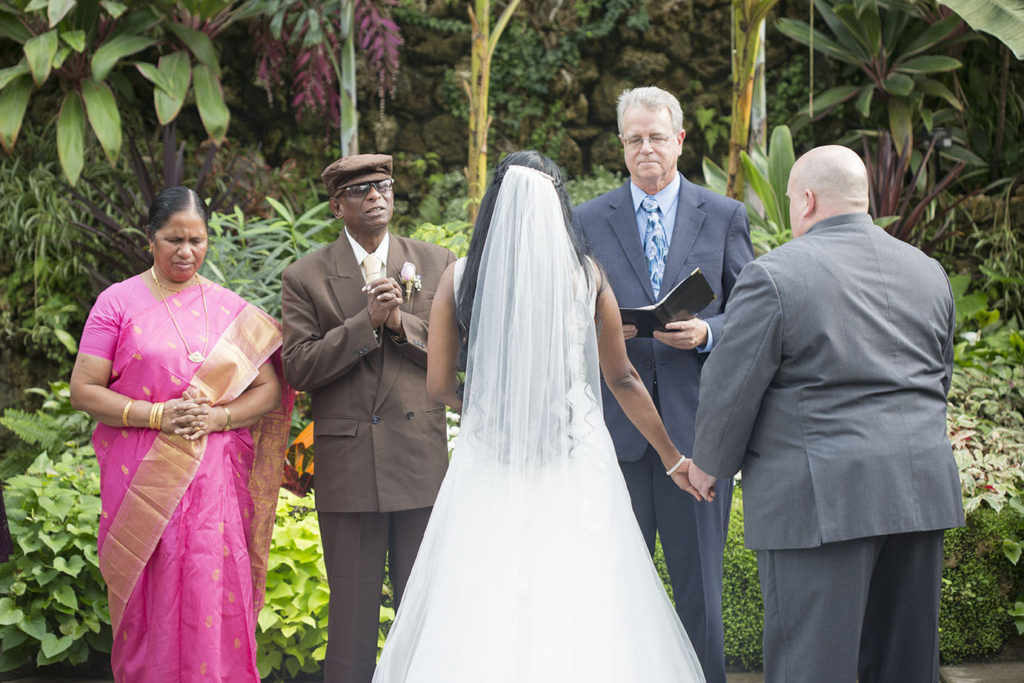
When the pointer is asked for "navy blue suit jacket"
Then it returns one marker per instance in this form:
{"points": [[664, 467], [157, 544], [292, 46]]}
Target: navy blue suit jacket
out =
{"points": [[711, 232]]}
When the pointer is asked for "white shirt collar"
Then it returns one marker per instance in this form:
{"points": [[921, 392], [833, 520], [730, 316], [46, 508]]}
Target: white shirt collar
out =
{"points": [[381, 251]]}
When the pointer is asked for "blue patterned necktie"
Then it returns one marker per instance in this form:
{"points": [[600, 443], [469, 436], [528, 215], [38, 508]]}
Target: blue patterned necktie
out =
{"points": [[655, 243]]}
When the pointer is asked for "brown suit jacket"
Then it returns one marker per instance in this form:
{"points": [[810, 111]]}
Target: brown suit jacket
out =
{"points": [[380, 444]]}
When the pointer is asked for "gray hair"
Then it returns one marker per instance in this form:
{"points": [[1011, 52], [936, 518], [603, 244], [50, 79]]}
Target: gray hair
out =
{"points": [[650, 97]]}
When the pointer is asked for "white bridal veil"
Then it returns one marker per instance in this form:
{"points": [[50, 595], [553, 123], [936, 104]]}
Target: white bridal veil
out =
{"points": [[533, 568]]}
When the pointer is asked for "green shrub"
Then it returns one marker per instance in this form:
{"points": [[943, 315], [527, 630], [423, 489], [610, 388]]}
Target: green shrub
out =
{"points": [[292, 633], [55, 604], [248, 256], [55, 425], [742, 609], [978, 586]]}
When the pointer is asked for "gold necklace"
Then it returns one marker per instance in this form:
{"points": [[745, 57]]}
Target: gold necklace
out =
{"points": [[194, 356]]}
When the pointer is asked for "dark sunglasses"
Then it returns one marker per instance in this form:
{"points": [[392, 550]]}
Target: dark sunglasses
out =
{"points": [[362, 189]]}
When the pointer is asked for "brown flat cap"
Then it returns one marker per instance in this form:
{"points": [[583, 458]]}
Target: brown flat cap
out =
{"points": [[358, 168]]}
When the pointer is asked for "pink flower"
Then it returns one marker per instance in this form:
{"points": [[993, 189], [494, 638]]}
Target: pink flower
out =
{"points": [[408, 271]]}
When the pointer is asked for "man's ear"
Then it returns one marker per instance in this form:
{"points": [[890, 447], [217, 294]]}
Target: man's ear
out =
{"points": [[335, 205], [810, 203]]}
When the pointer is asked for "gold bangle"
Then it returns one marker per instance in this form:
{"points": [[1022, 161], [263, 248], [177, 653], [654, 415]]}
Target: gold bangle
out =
{"points": [[124, 415], [227, 414], [160, 417], [154, 416]]}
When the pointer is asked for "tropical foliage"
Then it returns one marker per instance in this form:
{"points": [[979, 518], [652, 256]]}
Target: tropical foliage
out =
{"points": [[897, 55], [83, 56]]}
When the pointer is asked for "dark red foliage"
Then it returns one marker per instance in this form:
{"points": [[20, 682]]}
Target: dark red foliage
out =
{"points": [[312, 64]]}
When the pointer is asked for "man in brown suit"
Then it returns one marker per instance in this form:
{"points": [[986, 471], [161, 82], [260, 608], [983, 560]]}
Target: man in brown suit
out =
{"points": [[356, 340]]}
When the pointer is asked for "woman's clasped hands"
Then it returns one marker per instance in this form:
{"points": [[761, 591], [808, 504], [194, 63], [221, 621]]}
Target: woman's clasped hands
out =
{"points": [[190, 416]]}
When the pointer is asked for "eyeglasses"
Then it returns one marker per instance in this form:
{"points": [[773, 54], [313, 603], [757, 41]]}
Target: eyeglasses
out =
{"points": [[636, 141], [362, 189]]}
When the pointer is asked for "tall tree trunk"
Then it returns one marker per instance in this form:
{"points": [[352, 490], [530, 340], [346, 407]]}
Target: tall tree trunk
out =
{"points": [[483, 43], [349, 123]]}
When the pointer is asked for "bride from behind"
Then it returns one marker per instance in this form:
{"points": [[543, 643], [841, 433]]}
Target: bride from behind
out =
{"points": [[533, 568]]}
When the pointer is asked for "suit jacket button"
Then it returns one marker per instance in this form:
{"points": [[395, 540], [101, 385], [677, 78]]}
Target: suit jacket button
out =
{"points": [[376, 419], [647, 364], [409, 415]]}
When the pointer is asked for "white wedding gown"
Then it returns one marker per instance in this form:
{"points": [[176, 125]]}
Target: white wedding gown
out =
{"points": [[533, 568]]}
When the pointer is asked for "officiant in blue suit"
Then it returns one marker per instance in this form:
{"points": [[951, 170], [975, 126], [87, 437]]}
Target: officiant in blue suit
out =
{"points": [[648, 235]]}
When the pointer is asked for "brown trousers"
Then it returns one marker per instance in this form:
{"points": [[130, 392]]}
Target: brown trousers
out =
{"points": [[356, 545]]}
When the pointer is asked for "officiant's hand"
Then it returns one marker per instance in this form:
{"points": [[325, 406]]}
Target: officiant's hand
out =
{"points": [[383, 296], [684, 334], [704, 483], [628, 331]]}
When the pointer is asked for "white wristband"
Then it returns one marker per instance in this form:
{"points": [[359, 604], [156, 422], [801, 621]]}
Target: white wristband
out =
{"points": [[670, 472]]}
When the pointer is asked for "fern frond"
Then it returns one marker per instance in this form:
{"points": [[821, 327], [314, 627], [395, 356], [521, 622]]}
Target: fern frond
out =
{"points": [[37, 429]]}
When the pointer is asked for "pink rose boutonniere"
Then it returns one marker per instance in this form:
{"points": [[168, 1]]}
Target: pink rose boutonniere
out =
{"points": [[411, 279]]}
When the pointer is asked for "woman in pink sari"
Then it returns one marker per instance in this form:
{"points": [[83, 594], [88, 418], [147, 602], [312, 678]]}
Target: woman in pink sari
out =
{"points": [[183, 377]]}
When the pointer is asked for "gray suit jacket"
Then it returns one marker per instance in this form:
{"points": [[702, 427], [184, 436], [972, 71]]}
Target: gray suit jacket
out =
{"points": [[828, 389], [711, 232]]}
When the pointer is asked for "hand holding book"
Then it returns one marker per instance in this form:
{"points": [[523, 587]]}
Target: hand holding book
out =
{"points": [[684, 301]]}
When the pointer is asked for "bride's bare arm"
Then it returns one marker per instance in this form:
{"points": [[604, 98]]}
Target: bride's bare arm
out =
{"points": [[629, 390], [443, 344]]}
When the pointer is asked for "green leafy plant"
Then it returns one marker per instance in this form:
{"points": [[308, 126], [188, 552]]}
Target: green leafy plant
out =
{"points": [[896, 50], [742, 609], [584, 188], [453, 235], [76, 55], [768, 175], [51, 428], [292, 633], [55, 604], [248, 256]]}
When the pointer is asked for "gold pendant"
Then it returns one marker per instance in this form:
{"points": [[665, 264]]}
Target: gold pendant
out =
{"points": [[196, 357]]}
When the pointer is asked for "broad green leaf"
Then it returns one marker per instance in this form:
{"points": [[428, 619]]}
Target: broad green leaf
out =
{"points": [[199, 44], [832, 97], [71, 137], [65, 595], [801, 33], [176, 71], [118, 47], [926, 64], [58, 9], [1002, 18], [73, 566], [781, 158], [12, 29], [900, 123], [930, 86], [863, 102], [153, 75], [114, 9], [67, 340], [760, 185], [10, 73], [898, 85], [935, 34], [52, 646], [35, 627], [36, 5], [10, 613], [76, 39], [62, 53], [13, 102], [104, 116], [39, 53], [210, 101]]}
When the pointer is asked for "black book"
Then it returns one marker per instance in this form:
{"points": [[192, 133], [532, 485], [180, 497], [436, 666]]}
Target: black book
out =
{"points": [[686, 300]]}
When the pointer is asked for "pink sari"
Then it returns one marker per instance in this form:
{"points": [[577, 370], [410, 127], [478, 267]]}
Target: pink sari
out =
{"points": [[186, 525]]}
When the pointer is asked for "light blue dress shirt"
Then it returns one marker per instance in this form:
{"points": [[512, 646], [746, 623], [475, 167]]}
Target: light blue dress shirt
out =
{"points": [[668, 202]]}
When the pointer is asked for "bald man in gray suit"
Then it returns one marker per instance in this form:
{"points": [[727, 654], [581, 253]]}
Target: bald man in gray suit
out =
{"points": [[828, 390]]}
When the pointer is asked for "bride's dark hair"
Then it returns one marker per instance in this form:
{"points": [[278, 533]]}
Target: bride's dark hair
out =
{"points": [[467, 288]]}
